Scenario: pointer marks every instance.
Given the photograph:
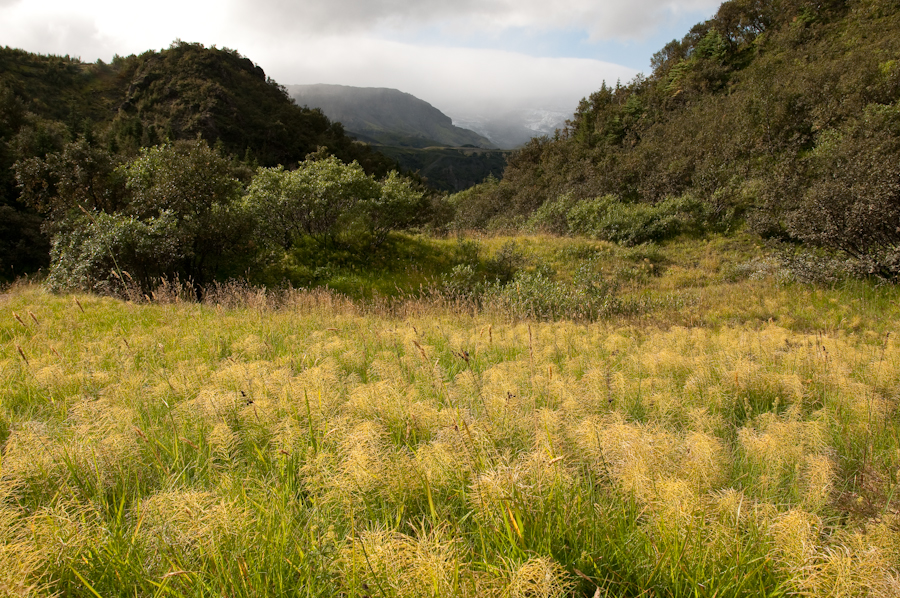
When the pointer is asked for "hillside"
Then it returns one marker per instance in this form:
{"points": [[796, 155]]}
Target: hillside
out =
{"points": [[386, 116], [781, 115]]}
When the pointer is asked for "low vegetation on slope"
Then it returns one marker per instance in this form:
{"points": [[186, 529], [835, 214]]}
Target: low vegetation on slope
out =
{"points": [[734, 433]]}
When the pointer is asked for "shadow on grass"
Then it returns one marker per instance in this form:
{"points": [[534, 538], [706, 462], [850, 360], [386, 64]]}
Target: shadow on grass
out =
{"points": [[403, 264]]}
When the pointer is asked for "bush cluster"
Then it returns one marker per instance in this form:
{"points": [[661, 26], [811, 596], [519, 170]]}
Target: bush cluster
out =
{"points": [[536, 295], [504, 284], [185, 211], [610, 219]]}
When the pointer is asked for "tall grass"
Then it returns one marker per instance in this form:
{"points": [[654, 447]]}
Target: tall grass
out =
{"points": [[746, 443]]}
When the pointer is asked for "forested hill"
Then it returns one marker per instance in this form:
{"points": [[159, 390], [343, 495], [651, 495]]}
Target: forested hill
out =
{"points": [[178, 93], [780, 113], [184, 92]]}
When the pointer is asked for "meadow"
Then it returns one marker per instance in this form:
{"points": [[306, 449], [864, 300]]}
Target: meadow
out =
{"points": [[718, 428]]}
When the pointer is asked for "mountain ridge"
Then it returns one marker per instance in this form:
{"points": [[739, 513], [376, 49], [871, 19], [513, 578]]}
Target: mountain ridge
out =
{"points": [[386, 116]]}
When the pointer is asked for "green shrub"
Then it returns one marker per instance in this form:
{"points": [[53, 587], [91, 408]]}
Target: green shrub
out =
{"points": [[472, 276], [503, 266], [538, 296], [476, 206], [553, 216], [326, 199], [463, 283], [179, 216], [611, 219], [107, 253]]}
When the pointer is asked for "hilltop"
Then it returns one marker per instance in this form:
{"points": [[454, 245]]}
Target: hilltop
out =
{"points": [[178, 93]]}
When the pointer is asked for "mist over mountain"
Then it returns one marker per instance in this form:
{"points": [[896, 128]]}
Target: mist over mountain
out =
{"points": [[386, 116], [421, 138], [512, 128]]}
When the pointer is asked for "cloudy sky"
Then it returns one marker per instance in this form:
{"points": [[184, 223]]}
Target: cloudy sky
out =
{"points": [[451, 53]]}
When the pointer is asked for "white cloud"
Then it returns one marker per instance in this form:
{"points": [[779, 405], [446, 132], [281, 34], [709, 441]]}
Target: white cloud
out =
{"points": [[355, 42], [601, 19], [100, 28], [445, 77]]}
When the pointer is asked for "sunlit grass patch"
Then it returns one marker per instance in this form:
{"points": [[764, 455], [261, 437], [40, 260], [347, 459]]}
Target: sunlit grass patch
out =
{"points": [[298, 443]]}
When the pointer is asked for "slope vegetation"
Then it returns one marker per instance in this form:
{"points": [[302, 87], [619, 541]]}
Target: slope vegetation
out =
{"points": [[783, 114], [184, 92]]}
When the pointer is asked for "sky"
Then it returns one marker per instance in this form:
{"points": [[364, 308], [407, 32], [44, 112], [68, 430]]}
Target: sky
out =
{"points": [[455, 54]]}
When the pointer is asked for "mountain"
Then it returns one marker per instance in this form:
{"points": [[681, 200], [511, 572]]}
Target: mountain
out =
{"points": [[386, 116]]}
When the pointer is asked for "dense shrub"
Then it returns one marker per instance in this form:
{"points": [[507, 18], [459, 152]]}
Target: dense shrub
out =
{"points": [[853, 205], [180, 211], [503, 283], [108, 253], [537, 295], [475, 207], [325, 198], [553, 215], [610, 219], [474, 275], [173, 211]]}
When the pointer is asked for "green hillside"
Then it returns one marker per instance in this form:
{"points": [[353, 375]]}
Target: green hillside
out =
{"points": [[783, 115], [449, 169]]}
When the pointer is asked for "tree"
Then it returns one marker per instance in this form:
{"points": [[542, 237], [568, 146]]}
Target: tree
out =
{"points": [[853, 204], [192, 185], [325, 198], [177, 214], [78, 177], [396, 206]]}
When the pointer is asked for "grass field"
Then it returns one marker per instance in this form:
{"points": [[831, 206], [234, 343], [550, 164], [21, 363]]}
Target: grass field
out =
{"points": [[722, 431]]}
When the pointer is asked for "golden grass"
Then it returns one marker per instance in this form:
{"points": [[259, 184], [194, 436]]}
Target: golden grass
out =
{"points": [[438, 453]]}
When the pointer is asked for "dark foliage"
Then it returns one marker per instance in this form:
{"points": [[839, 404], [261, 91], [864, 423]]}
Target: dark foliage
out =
{"points": [[178, 214], [23, 247], [450, 169], [853, 203]]}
